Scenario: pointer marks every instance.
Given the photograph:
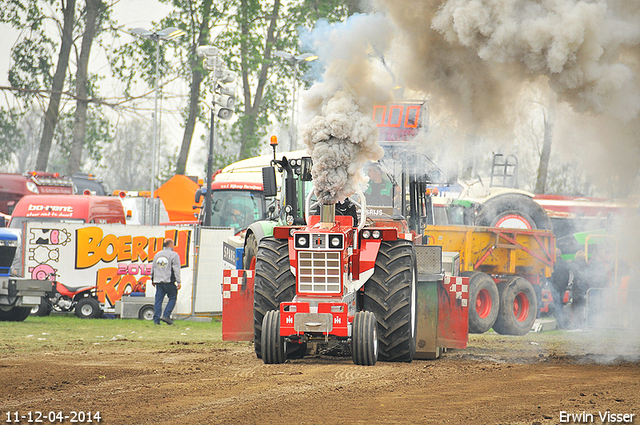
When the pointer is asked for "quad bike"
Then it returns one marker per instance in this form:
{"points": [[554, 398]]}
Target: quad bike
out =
{"points": [[81, 300]]}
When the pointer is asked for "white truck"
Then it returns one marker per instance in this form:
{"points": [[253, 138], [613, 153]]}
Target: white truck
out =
{"points": [[17, 295]]}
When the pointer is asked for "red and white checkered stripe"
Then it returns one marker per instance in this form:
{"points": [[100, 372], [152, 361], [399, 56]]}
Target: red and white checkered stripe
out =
{"points": [[232, 279], [460, 286]]}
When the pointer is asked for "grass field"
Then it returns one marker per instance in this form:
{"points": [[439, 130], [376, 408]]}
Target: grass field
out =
{"points": [[69, 333]]}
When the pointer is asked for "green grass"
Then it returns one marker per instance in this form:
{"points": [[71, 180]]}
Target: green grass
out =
{"points": [[69, 333]]}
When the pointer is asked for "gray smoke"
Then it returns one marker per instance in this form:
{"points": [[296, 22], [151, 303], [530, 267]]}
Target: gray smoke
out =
{"points": [[341, 138], [478, 59], [339, 131]]}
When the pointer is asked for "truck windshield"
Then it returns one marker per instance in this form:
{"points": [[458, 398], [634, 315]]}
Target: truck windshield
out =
{"points": [[237, 208]]}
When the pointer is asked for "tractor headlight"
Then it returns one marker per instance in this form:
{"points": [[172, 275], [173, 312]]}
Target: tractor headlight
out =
{"points": [[301, 241], [366, 234], [376, 234], [335, 241]]}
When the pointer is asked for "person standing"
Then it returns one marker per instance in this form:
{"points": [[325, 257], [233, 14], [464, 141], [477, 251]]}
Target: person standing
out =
{"points": [[165, 277], [559, 282]]}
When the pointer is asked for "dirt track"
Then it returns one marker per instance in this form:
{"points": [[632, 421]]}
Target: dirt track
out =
{"points": [[496, 380]]}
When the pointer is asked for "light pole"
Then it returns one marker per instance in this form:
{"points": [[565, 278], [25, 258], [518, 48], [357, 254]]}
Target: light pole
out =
{"points": [[221, 106], [295, 61], [155, 36]]}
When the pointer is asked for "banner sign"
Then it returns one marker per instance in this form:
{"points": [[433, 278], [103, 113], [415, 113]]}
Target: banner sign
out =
{"points": [[115, 258]]}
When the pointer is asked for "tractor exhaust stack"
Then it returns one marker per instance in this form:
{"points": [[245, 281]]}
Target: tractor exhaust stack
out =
{"points": [[327, 216]]}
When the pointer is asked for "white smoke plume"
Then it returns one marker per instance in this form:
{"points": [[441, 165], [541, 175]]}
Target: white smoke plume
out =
{"points": [[340, 133]]}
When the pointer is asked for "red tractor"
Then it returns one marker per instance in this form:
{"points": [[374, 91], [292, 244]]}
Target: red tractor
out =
{"points": [[331, 280], [347, 279]]}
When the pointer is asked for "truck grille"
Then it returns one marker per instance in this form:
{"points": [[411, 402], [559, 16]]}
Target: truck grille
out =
{"points": [[319, 272]]}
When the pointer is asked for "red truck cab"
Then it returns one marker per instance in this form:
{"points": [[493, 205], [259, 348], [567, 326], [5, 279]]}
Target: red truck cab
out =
{"points": [[14, 186], [68, 208]]}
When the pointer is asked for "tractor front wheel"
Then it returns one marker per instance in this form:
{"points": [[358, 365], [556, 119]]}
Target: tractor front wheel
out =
{"points": [[274, 347], [274, 283], [364, 341]]}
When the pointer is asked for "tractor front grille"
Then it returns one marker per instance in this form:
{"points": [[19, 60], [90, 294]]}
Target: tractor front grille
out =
{"points": [[319, 272]]}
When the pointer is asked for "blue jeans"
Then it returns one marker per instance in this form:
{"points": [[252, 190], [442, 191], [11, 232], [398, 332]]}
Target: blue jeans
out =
{"points": [[162, 289]]}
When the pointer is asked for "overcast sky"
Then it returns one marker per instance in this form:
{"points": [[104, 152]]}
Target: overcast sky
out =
{"points": [[130, 14]]}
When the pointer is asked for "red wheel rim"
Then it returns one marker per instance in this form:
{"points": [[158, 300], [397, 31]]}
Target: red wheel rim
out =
{"points": [[252, 265], [483, 303], [521, 307]]}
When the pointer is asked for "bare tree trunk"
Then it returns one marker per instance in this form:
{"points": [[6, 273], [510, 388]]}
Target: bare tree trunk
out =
{"points": [[53, 110], [194, 95], [80, 123], [249, 140], [545, 155]]}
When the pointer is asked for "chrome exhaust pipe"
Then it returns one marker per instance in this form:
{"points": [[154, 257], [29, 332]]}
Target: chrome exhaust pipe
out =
{"points": [[327, 215]]}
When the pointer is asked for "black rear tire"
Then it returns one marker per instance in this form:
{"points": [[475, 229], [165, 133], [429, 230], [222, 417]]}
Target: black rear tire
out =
{"points": [[88, 308], [484, 302], [42, 310], [518, 206], [15, 314], [274, 283], [390, 294], [364, 345], [274, 347], [250, 252], [518, 307]]}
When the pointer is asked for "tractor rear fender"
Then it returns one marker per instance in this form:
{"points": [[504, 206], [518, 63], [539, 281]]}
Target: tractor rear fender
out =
{"points": [[262, 229]]}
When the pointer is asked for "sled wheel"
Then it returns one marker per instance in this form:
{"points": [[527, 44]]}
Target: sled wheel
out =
{"points": [[518, 306], [88, 308], [513, 210], [43, 309], [250, 252], [146, 313], [390, 294], [484, 301], [364, 341], [274, 347], [273, 283]]}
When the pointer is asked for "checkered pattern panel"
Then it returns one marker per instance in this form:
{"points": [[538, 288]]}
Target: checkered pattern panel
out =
{"points": [[459, 285], [233, 279]]}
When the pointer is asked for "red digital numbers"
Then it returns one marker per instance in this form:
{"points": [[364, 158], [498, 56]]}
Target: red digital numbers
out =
{"points": [[398, 116]]}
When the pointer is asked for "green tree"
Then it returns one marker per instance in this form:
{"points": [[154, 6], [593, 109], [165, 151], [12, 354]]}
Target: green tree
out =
{"points": [[11, 136], [260, 28], [94, 9], [57, 85]]}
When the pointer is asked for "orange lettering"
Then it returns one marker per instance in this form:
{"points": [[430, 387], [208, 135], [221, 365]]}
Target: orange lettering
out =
{"points": [[124, 248], [155, 246], [107, 279], [88, 251], [109, 241], [138, 248], [181, 239]]}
